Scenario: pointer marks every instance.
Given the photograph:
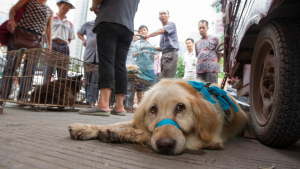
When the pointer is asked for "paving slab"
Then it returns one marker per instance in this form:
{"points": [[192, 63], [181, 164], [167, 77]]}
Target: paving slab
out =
{"points": [[32, 139]]}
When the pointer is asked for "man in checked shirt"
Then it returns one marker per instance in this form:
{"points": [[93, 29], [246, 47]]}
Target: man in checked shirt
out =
{"points": [[208, 57]]}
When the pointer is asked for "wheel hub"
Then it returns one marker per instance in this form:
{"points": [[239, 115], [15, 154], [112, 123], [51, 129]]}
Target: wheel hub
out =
{"points": [[267, 85]]}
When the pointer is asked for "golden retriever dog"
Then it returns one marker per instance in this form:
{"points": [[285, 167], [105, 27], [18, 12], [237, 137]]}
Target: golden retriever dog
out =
{"points": [[193, 122]]}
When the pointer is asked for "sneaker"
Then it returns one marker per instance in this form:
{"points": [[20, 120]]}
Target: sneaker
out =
{"points": [[95, 111], [114, 112]]}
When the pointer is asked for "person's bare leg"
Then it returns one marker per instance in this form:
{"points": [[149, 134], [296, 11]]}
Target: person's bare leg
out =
{"points": [[104, 99], [135, 100], [140, 96], [119, 107]]}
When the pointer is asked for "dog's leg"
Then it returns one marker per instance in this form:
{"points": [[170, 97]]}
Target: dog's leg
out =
{"points": [[126, 134], [79, 131], [104, 132], [118, 132]]}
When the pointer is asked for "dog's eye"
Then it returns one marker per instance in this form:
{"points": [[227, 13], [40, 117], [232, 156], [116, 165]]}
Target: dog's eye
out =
{"points": [[179, 108], [153, 109]]}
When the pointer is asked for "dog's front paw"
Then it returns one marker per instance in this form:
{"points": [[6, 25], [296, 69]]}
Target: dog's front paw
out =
{"points": [[80, 131], [108, 135], [103, 135], [113, 136]]}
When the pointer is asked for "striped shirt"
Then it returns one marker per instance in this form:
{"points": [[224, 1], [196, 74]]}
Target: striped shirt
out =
{"points": [[62, 29]]}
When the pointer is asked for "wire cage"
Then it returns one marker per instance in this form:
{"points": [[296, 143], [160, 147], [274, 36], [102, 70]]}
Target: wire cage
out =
{"points": [[46, 78], [140, 71]]}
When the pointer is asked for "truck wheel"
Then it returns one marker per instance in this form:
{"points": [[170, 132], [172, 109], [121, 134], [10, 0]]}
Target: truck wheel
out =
{"points": [[275, 83]]}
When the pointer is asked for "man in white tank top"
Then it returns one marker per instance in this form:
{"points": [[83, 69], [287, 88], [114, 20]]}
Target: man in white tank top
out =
{"points": [[189, 61]]}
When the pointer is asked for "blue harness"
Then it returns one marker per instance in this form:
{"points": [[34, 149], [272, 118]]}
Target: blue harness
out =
{"points": [[219, 94]]}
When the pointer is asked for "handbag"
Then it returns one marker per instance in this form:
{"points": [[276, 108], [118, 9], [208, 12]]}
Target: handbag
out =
{"points": [[4, 33], [24, 39]]}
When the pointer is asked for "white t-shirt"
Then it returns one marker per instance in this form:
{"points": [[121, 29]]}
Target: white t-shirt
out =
{"points": [[190, 62], [62, 29]]}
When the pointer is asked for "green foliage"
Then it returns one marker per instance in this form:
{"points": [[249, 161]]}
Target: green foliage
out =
{"points": [[180, 68], [221, 63], [75, 68], [222, 39], [221, 74]]}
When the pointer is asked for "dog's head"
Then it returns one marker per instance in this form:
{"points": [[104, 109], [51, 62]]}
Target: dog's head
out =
{"points": [[178, 101], [73, 82]]}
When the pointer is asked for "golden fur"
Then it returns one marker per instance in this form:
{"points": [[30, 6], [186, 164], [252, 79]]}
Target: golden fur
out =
{"points": [[132, 67], [201, 123]]}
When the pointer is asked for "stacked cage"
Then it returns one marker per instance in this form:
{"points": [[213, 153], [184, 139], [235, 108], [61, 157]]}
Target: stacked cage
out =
{"points": [[45, 78]]}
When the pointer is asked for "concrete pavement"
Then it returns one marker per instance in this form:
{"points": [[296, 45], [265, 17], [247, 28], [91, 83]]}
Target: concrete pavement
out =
{"points": [[31, 139]]}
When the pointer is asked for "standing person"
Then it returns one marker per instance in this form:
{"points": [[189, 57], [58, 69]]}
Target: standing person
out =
{"points": [[114, 29], [169, 45], [207, 55], [130, 59], [36, 20], [129, 97], [189, 61], [145, 55], [90, 56], [62, 34]]}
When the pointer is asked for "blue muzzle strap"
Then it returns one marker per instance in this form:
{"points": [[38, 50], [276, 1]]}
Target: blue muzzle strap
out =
{"points": [[219, 94], [167, 122]]}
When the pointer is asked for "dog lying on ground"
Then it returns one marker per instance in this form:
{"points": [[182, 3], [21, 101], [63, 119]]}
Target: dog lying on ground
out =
{"points": [[192, 122], [58, 92]]}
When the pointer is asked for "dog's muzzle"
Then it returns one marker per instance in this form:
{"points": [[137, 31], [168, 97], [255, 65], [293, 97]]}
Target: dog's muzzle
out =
{"points": [[166, 145]]}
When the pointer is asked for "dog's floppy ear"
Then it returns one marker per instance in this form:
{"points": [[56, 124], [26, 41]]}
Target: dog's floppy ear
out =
{"points": [[139, 116], [206, 118]]}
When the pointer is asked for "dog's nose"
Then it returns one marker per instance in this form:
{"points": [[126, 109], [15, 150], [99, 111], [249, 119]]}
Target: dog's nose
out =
{"points": [[166, 146]]}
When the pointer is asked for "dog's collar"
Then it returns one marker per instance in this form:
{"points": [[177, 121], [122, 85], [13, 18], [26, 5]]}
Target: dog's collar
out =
{"points": [[219, 94], [167, 122]]}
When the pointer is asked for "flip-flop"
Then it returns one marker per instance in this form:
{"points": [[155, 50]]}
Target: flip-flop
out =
{"points": [[94, 111], [114, 112]]}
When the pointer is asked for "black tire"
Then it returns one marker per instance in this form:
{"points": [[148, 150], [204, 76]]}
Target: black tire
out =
{"points": [[275, 92]]}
